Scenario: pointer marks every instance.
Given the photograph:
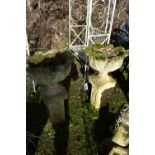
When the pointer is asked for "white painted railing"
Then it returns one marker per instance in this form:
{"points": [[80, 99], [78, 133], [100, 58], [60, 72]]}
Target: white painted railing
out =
{"points": [[90, 21]]}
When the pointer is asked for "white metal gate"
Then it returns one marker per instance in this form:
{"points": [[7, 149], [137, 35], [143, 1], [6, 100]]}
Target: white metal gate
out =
{"points": [[90, 21], [78, 24]]}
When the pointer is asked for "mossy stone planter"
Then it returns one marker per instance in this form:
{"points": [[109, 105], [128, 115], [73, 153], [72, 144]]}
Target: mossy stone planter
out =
{"points": [[48, 70], [104, 59]]}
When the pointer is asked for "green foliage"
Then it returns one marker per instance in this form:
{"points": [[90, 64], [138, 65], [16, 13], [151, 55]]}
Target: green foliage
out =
{"points": [[92, 51], [53, 55], [103, 52], [114, 106]]}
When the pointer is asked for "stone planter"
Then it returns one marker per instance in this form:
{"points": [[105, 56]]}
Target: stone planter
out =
{"points": [[49, 78], [121, 135], [104, 59]]}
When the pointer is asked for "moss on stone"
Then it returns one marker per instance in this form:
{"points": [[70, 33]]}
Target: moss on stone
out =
{"points": [[103, 52], [40, 56]]}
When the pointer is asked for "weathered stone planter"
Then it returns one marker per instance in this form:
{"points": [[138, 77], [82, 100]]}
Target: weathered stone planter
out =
{"points": [[49, 77], [121, 135], [119, 151], [104, 59]]}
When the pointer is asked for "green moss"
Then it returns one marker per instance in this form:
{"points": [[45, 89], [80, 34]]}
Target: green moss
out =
{"points": [[92, 51], [103, 52], [82, 120], [36, 59], [115, 105], [114, 98], [39, 57]]}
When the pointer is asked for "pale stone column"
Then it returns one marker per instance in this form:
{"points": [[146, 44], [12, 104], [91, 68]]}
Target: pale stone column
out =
{"points": [[99, 85]]}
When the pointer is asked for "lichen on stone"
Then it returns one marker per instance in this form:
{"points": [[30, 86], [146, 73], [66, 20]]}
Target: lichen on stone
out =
{"points": [[40, 56], [103, 52]]}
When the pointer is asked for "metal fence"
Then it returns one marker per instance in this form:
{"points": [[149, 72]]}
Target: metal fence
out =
{"points": [[90, 21]]}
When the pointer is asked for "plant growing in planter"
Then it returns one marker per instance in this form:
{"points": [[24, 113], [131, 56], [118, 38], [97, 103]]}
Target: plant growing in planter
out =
{"points": [[104, 59]]}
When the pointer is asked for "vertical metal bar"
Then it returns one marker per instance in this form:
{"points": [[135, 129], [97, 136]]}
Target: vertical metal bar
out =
{"points": [[34, 86], [89, 14], [107, 21], [69, 24], [87, 29], [87, 23], [39, 4], [27, 47], [29, 4], [112, 19], [28, 53]]}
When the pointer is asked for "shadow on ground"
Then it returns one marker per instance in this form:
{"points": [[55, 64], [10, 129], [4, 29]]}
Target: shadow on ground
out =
{"points": [[102, 130], [37, 117]]}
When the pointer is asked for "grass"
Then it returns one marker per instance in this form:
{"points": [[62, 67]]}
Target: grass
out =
{"points": [[82, 118]]}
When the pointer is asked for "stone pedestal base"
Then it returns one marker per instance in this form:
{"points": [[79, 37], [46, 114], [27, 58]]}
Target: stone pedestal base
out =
{"points": [[54, 96], [118, 151], [99, 84], [121, 136]]}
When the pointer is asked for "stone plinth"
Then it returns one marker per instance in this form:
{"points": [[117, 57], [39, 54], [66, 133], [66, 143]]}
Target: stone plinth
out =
{"points": [[54, 96], [121, 136], [100, 84], [118, 151]]}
